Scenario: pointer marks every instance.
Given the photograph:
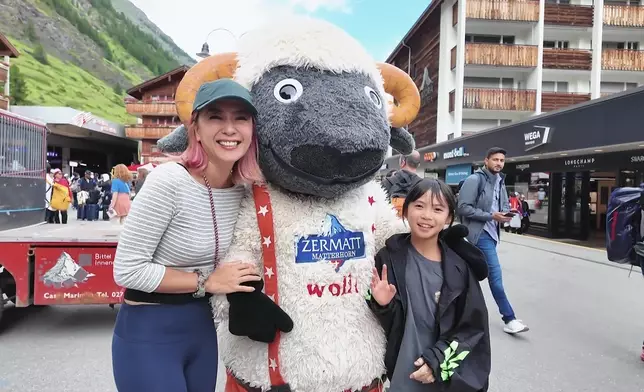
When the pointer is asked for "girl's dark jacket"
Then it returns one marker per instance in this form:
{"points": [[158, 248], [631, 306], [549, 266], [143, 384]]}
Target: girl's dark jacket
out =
{"points": [[461, 313]]}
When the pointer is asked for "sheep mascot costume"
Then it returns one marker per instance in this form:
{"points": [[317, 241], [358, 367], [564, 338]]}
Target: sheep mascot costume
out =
{"points": [[323, 128]]}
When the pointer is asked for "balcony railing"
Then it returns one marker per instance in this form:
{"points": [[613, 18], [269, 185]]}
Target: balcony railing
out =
{"points": [[624, 15], [4, 72], [622, 60], [569, 15], [4, 102], [162, 108], [553, 101], [526, 10], [499, 99], [501, 55], [567, 59], [149, 131]]}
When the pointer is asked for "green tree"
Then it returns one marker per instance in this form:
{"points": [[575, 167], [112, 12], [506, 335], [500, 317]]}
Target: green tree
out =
{"points": [[17, 86], [118, 90], [40, 54], [31, 32]]}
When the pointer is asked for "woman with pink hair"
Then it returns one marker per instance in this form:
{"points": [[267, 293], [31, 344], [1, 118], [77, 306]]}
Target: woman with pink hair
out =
{"points": [[178, 228]]}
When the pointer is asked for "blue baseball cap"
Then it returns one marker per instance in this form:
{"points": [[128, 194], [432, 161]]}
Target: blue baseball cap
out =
{"points": [[219, 89]]}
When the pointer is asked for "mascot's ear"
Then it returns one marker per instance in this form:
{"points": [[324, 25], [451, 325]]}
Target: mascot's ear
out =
{"points": [[402, 141], [175, 142]]}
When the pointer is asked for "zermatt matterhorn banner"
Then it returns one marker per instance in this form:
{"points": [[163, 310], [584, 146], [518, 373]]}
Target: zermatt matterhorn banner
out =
{"points": [[324, 127]]}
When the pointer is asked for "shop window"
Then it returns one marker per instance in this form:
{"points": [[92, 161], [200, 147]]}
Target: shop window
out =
{"points": [[535, 187]]}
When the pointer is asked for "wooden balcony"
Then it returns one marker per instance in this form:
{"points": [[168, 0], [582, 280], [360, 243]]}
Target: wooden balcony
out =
{"points": [[501, 55], [499, 99], [569, 15], [153, 108], [553, 101], [4, 102], [524, 11], [622, 60], [151, 131], [4, 72], [567, 59], [624, 15]]}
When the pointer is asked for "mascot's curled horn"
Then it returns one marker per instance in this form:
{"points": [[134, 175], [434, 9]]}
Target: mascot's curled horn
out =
{"points": [[323, 128]]}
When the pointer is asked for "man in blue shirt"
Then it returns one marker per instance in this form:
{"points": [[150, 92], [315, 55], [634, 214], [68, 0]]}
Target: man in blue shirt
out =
{"points": [[483, 205]]}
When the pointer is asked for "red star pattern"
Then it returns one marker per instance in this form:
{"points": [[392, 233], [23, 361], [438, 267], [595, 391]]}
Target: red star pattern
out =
{"points": [[371, 200]]}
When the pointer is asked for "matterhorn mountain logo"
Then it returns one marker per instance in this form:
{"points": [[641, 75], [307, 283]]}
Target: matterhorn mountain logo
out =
{"points": [[66, 273], [332, 226]]}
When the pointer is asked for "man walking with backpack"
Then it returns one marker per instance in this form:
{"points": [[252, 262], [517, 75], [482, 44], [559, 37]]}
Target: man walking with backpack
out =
{"points": [[483, 206]]}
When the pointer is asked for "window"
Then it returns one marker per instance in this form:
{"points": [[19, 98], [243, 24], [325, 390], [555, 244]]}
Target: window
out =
{"points": [[450, 136], [490, 39], [631, 45], [554, 87], [556, 44]]}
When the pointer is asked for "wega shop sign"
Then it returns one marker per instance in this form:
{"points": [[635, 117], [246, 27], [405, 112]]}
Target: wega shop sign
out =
{"points": [[455, 153], [539, 136]]}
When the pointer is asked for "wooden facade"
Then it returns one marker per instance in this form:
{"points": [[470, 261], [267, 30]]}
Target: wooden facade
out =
{"points": [[4, 72], [4, 102], [569, 14], [153, 102], [425, 52], [567, 59], [624, 15], [622, 60], [499, 99], [553, 101], [510, 10], [501, 55]]}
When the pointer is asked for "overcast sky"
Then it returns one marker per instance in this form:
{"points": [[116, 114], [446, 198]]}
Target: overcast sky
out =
{"points": [[378, 24]]}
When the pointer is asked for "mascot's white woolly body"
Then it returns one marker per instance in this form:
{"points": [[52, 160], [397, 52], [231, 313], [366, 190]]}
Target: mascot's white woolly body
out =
{"points": [[336, 343], [323, 131]]}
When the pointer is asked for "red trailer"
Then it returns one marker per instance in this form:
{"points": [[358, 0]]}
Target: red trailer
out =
{"points": [[53, 264]]}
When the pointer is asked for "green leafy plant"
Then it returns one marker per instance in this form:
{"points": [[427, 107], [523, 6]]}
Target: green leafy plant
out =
{"points": [[451, 361]]}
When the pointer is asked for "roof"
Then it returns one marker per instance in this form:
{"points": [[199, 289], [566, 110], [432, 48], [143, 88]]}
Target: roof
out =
{"points": [[414, 28], [137, 91], [6, 48]]}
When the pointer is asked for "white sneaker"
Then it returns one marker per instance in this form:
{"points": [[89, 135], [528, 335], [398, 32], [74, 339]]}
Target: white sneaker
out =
{"points": [[515, 326]]}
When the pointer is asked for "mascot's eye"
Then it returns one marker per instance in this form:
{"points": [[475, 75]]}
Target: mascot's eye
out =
{"points": [[288, 90], [373, 96]]}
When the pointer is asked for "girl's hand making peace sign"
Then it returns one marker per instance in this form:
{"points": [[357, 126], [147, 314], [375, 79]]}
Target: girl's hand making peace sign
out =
{"points": [[381, 290]]}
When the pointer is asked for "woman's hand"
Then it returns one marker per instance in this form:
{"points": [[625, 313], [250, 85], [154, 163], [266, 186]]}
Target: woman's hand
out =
{"points": [[228, 278], [381, 290], [424, 374]]}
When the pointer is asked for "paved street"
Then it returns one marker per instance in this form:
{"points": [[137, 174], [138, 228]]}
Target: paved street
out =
{"points": [[586, 320]]}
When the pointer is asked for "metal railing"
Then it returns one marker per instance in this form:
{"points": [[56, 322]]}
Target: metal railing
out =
{"points": [[23, 147]]}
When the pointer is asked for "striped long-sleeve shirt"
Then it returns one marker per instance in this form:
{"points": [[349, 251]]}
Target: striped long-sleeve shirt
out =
{"points": [[170, 225]]}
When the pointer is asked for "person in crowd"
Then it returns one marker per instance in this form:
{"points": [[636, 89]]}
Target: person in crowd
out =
{"points": [[525, 218], [105, 185], [140, 179], [483, 213], [120, 202], [398, 185], [74, 186], [179, 227], [61, 198], [413, 273], [49, 181]]}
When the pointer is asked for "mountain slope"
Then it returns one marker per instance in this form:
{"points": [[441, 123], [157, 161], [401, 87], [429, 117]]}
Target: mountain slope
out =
{"points": [[106, 50]]}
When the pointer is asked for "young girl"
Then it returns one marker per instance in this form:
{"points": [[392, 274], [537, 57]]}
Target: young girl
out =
{"points": [[428, 300]]}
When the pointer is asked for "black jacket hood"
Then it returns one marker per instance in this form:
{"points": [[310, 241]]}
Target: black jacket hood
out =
{"points": [[400, 183]]}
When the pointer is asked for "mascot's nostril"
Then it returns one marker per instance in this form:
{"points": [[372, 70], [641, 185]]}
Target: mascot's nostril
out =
{"points": [[329, 163]]}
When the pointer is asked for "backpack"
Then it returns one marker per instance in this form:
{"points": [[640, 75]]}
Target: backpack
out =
{"points": [[480, 188], [623, 225]]}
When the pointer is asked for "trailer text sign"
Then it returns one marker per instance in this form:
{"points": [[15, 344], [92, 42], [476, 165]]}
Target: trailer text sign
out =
{"points": [[75, 275]]}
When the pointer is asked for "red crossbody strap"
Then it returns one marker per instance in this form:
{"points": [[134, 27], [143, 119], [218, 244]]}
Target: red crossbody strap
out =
{"points": [[264, 211]]}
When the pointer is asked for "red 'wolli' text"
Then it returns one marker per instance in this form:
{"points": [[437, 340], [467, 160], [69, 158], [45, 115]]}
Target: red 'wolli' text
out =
{"points": [[346, 286]]}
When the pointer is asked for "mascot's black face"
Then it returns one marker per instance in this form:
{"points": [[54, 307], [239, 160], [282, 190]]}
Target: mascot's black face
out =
{"points": [[319, 133]]}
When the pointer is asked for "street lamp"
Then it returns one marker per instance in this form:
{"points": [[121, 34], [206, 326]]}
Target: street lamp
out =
{"points": [[205, 49]]}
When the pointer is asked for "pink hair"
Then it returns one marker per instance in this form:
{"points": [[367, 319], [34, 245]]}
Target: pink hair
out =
{"points": [[245, 171]]}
